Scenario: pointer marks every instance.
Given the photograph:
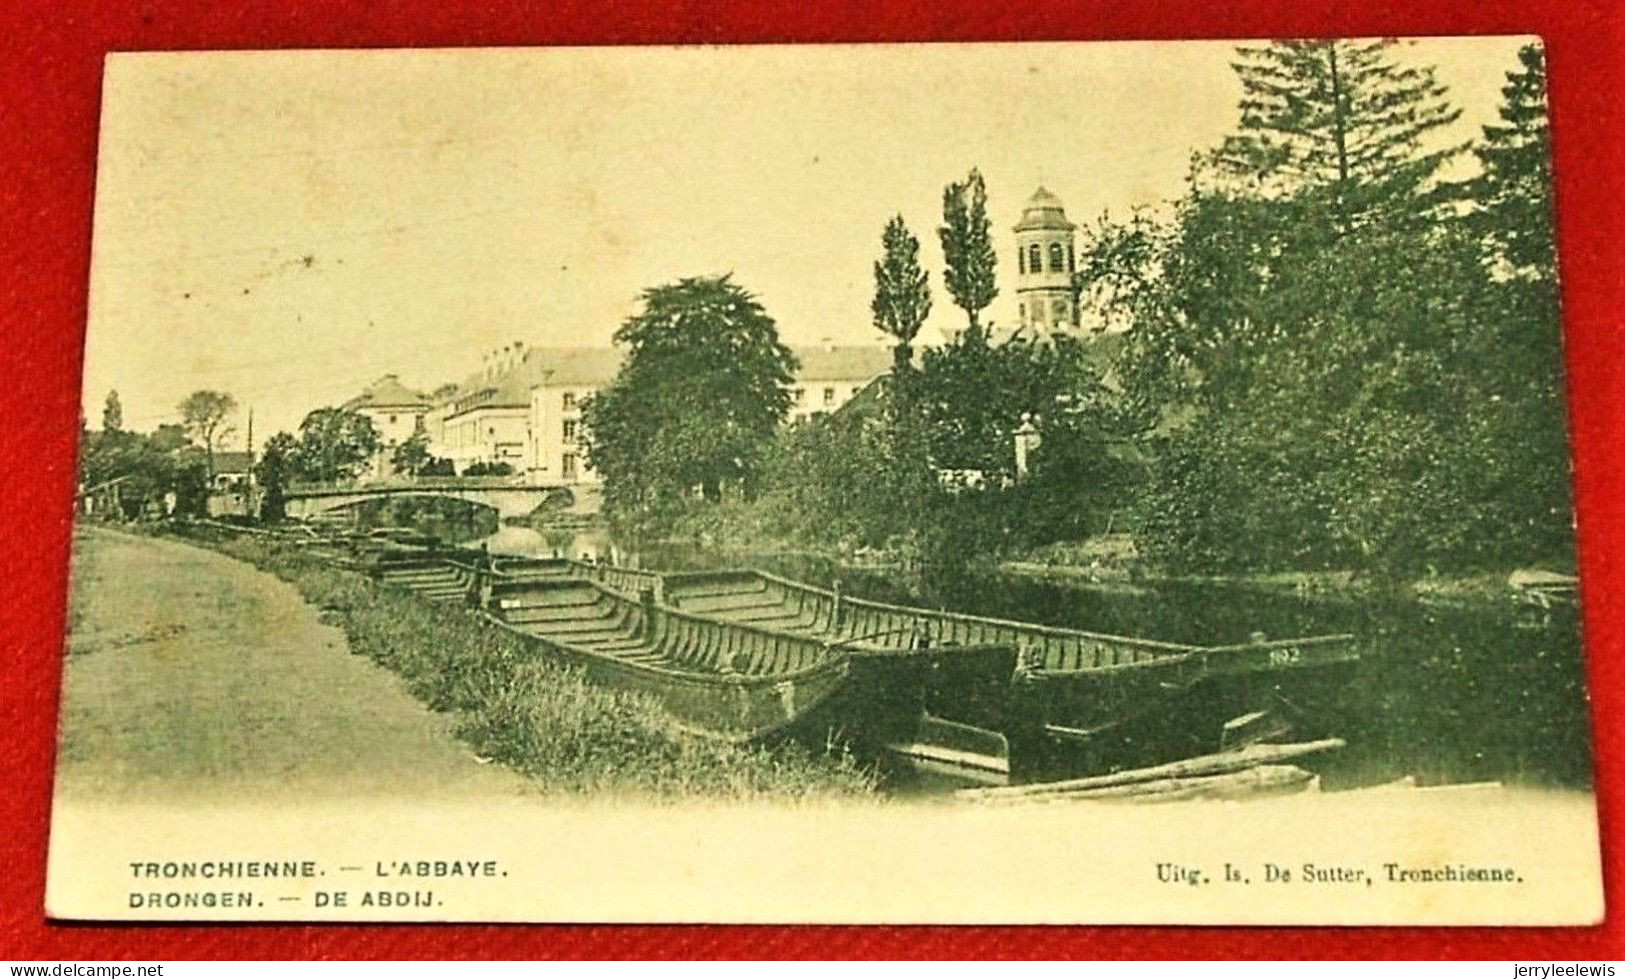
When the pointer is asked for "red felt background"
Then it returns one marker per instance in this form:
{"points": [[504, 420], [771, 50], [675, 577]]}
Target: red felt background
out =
{"points": [[49, 92]]}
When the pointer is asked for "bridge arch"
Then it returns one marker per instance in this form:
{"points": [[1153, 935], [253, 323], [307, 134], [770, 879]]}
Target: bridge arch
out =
{"points": [[509, 501]]}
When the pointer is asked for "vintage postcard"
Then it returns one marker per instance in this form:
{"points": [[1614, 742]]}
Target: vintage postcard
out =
{"points": [[964, 483]]}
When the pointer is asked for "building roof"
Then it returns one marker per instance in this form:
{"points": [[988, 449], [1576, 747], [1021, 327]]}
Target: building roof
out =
{"points": [[230, 463], [578, 367], [564, 367], [596, 367], [854, 362], [1044, 212], [388, 392]]}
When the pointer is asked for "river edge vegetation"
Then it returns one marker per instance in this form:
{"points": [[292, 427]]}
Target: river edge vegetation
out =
{"points": [[1336, 358], [539, 718]]}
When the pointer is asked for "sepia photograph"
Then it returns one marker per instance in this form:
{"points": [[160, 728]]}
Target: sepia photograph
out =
{"points": [[1111, 482]]}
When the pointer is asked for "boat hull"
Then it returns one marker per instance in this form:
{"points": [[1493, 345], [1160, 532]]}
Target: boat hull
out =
{"points": [[736, 709], [1064, 702], [1069, 724]]}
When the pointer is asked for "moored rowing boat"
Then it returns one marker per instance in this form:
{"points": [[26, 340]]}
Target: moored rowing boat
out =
{"points": [[1068, 700], [721, 680], [1035, 701]]}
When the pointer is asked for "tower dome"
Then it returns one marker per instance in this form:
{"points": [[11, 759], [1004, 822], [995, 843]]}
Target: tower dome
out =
{"points": [[1045, 262], [1044, 212]]}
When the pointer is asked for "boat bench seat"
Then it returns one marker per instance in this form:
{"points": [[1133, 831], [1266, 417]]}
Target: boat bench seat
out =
{"points": [[739, 586], [723, 603]]}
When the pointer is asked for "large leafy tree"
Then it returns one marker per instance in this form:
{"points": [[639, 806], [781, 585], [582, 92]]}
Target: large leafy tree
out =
{"points": [[1335, 420], [206, 417], [703, 389], [412, 454], [967, 246], [902, 292], [335, 444], [277, 466], [138, 471], [975, 394]]}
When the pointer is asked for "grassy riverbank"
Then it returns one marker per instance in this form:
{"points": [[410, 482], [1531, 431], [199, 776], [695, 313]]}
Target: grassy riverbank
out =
{"points": [[539, 718]]}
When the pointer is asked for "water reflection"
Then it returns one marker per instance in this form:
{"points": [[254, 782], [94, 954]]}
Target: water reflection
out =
{"points": [[1490, 692], [587, 544]]}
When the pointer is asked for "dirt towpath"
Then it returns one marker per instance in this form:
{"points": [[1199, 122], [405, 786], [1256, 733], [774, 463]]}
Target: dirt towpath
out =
{"points": [[190, 674]]}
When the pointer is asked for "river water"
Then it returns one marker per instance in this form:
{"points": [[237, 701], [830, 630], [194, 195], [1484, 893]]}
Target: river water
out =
{"points": [[1490, 692]]}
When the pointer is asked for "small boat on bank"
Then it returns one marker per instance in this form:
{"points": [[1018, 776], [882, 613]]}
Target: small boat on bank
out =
{"points": [[723, 679], [731, 681], [434, 579], [1065, 700], [1544, 589], [988, 697]]}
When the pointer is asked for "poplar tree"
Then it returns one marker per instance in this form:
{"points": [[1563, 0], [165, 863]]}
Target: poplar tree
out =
{"points": [[902, 292], [112, 413], [967, 246]]}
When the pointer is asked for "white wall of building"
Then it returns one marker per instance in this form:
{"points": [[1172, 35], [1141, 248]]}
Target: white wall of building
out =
{"points": [[394, 425], [556, 432], [812, 397], [483, 435]]}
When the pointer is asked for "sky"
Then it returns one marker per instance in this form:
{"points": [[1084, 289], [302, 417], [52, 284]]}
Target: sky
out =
{"points": [[289, 226]]}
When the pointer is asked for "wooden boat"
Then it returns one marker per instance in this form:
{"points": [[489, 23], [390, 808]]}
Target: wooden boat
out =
{"points": [[726, 679], [1065, 699], [949, 689], [1544, 589], [722, 680], [429, 576]]}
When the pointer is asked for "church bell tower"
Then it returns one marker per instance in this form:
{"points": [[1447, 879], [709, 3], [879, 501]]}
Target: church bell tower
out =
{"points": [[1045, 262]]}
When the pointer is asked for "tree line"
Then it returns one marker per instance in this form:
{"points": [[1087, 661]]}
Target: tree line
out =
{"points": [[1349, 358], [172, 469], [1331, 351], [169, 470]]}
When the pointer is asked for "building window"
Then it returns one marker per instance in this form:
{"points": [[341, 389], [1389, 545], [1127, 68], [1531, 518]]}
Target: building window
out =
{"points": [[1038, 311], [569, 467], [1035, 258], [570, 431], [569, 400], [829, 396], [1024, 312], [1071, 265], [1021, 260], [392, 419], [1055, 257], [1060, 312], [797, 395]]}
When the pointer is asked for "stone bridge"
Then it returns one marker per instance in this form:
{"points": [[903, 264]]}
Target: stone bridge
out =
{"points": [[511, 498]]}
